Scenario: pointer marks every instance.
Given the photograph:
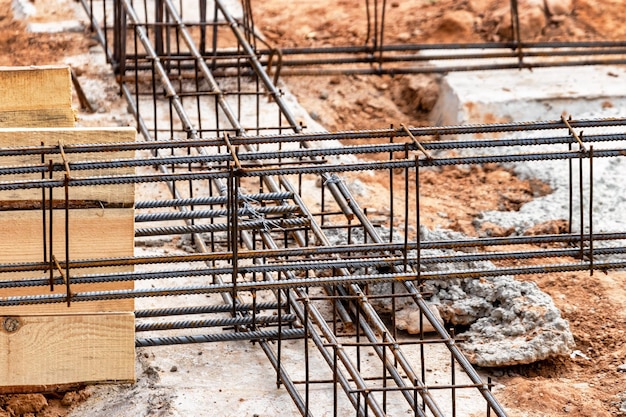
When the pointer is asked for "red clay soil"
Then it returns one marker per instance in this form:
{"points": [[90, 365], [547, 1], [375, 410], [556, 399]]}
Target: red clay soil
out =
{"points": [[584, 386], [21, 48]]}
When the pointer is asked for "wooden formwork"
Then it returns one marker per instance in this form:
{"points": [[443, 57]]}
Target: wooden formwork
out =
{"points": [[55, 345]]}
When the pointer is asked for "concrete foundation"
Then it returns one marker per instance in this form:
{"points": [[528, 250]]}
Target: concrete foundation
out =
{"points": [[525, 95]]}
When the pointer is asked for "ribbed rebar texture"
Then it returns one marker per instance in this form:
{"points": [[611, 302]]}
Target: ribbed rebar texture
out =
{"points": [[245, 225]]}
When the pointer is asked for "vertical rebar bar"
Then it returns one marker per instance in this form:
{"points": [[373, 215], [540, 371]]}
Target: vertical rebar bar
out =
{"points": [[488, 405], [570, 191], [67, 239], [234, 237], [391, 192], [44, 232], [580, 198], [384, 369], [382, 35], [307, 365], [418, 269], [50, 226], [515, 27], [591, 210], [453, 378], [335, 370], [279, 346], [203, 24]]}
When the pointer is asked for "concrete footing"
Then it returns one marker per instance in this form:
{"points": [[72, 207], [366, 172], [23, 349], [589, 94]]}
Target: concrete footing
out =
{"points": [[525, 95]]}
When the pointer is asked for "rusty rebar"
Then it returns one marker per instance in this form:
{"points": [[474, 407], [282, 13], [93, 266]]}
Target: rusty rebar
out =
{"points": [[279, 219]]}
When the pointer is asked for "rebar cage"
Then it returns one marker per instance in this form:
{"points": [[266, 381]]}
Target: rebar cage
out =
{"points": [[267, 218]]}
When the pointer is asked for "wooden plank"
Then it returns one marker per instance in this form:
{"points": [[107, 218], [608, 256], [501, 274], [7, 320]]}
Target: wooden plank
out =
{"points": [[94, 233], [76, 307], [100, 233], [32, 88], [37, 118], [53, 344], [36, 96], [119, 193], [46, 350]]}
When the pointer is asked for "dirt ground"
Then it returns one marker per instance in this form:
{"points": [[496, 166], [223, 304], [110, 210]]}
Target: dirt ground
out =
{"points": [[583, 386]]}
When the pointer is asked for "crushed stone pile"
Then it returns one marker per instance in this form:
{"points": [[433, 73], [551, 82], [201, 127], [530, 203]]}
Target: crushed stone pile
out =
{"points": [[508, 322]]}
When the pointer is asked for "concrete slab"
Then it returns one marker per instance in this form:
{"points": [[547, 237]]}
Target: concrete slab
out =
{"points": [[525, 95], [56, 27], [592, 92]]}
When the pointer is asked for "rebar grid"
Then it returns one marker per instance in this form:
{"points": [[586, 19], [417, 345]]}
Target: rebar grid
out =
{"points": [[231, 173], [374, 56]]}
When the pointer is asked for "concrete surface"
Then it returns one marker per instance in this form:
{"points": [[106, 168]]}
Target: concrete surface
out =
{"points": [[523, 95]]}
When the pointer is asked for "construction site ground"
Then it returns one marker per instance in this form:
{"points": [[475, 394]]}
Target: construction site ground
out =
{"points": [[584, 385]]}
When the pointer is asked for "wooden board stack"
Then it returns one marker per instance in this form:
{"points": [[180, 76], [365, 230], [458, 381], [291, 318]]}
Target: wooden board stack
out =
{"points": [[50, 346]]}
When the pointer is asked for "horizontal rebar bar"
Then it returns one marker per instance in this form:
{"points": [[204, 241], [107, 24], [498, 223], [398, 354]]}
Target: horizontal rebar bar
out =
{"points": [[305, 282], [221, 337], [452, 45], [354, 135], [309, 169], [318, 265], [298, 265], [261, 224], [206, 214], [294, 154], [318, 251], [221, 322], [442, 69], [205, 309], [431, 60], [207, 201]]}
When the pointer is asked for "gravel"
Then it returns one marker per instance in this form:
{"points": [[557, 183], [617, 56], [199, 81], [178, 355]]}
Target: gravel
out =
{"points": [[509, 322], [608, 200]]}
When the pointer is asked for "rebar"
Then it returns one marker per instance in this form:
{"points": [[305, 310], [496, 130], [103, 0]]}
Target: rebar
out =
{"points": [[205, 309], [231, 321], [256, 335], [207, 201], [258, 236], [352, 249], [308, 169]]}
